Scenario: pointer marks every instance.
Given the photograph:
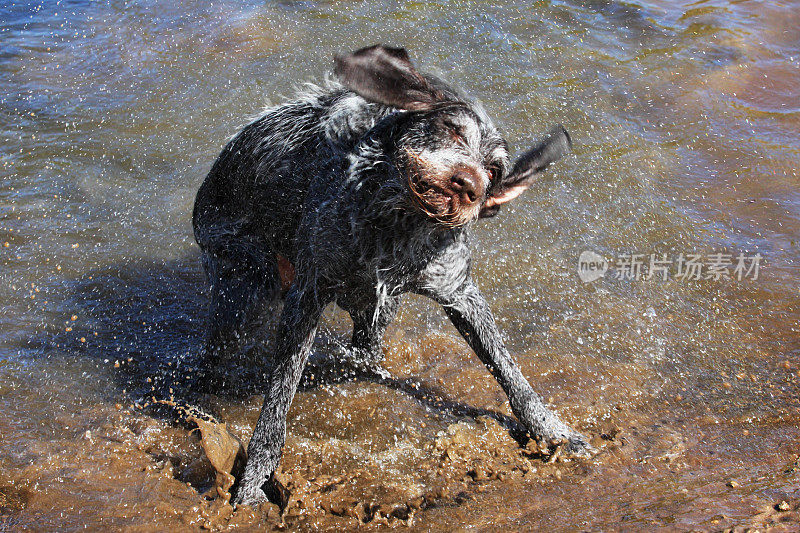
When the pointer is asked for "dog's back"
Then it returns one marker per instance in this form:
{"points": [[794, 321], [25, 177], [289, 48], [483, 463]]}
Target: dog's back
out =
{"points": [[258, 186]]}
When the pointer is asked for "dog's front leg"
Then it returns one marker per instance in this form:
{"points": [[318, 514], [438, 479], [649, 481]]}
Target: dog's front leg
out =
{"points": [[471, 315], [298, 324]]}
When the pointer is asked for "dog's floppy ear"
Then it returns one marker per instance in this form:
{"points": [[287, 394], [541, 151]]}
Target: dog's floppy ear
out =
{"points": [[386, 76], [554, 146]]}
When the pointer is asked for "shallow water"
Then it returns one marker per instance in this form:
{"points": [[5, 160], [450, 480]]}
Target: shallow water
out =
{"points": [[686, 125]]}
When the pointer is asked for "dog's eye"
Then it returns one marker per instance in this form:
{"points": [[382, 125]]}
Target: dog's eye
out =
{"points": [[455, 131], [493, 173], [456, 135]]}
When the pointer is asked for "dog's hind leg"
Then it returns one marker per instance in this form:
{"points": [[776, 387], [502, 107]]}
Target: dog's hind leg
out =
{"points": [[369, 325], [243, 289]]}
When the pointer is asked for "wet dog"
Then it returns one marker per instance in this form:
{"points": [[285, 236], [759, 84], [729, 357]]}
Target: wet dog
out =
{"points": [[356, 193]]}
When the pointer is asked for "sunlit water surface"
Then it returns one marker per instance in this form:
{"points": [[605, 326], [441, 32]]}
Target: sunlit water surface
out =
{"points": [[686, 124]]}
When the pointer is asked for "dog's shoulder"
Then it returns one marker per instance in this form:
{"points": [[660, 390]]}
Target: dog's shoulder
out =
{"points": [[350, 117], [327, 112]]}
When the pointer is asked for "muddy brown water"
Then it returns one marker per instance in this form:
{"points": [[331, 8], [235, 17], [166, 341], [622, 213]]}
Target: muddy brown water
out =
{"points": [[687, 141]]}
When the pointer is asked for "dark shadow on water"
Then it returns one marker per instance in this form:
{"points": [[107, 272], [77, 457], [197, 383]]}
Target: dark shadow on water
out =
{"points": [[327, 370], [436, 400], [146, 322], [142, 320]]}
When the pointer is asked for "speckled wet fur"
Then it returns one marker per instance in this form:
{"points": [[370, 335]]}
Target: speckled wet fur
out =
{"points": [[367, 188]]}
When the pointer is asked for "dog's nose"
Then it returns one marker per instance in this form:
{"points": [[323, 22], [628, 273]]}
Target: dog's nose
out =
{"points": [[463, 184]]}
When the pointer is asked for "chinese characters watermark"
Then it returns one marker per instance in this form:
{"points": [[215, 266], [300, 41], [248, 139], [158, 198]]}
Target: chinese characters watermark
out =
{"points": [[716, 266]]}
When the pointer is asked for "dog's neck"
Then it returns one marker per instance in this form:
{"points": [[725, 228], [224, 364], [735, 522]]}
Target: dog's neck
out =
{"points": [[388, 232]]}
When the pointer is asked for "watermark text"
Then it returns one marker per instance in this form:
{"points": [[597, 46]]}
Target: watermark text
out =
{"points": [[715, 266]]}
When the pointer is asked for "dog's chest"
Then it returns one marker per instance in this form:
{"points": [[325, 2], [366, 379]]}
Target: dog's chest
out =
{"points": [[437, 261]]}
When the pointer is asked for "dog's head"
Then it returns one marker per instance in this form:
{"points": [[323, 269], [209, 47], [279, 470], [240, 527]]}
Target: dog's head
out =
{"points": [[455, 161]]}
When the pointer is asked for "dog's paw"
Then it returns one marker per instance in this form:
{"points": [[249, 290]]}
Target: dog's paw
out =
{"points": [[271, 491], [251, 496], [576, 445], [567, 443]]}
